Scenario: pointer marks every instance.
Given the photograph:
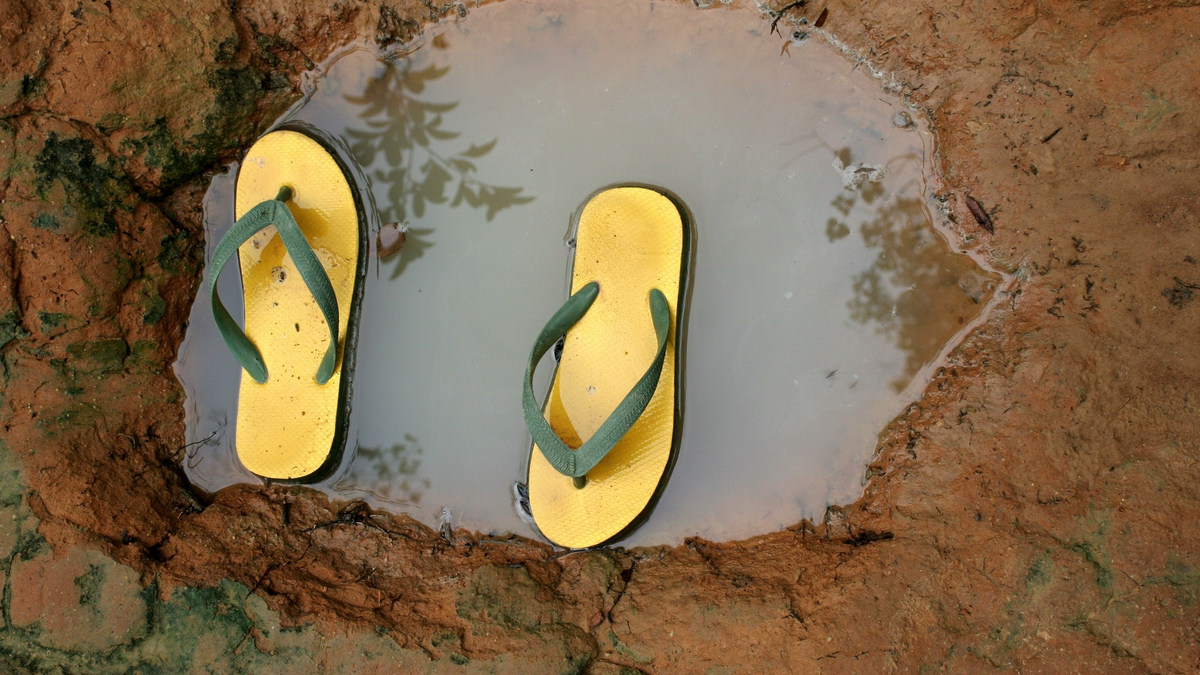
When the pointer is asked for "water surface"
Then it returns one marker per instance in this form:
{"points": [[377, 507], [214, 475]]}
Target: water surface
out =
{"points": [[822, 294]]}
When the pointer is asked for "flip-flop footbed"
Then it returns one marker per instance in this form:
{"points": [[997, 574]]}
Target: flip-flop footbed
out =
{"points": [[287, 426], [629, 240]]}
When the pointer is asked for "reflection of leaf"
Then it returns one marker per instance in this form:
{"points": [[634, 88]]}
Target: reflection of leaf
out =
{"points": [[402, 130], [396, 180], [443, 135], [835, 230], [479, 150], [843, 203], [465, 194], [440, 107], [501, 198], [361, 146], [414, 81], [433, 188], [871, 191]]}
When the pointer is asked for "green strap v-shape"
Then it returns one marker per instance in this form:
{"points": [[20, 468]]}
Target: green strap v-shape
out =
{"points": [[576, 463], [274, 212]]}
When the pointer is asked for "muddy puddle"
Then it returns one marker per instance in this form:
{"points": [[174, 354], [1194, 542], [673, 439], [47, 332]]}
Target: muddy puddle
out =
{"points": [[822, 294]]}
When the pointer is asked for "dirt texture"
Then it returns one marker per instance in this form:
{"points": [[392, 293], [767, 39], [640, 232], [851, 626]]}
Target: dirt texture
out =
{"points": [[1035, 511]]}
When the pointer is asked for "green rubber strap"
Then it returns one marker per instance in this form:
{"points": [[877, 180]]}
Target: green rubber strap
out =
{"points": [[576, 463], [274, 212]]}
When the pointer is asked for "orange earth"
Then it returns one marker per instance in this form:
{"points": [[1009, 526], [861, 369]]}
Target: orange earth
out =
{"points": [[1036, 511]]}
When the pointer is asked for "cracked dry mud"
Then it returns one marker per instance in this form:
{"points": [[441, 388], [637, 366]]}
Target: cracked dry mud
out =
{"points": [[1035, 511]]}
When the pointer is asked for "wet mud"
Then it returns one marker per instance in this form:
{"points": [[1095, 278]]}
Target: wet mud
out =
{"points": [[1031, 512]]}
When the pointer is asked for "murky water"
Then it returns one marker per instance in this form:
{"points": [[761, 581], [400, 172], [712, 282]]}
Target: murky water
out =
{"points": [[822, 294]]}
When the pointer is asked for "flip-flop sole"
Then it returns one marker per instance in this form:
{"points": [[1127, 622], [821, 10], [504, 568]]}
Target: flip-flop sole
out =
{"points": [[288, 427], [629, 240]]}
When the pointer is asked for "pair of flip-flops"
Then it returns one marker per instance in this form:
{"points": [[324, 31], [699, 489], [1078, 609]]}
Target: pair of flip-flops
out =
{"points": [[605, 438]]}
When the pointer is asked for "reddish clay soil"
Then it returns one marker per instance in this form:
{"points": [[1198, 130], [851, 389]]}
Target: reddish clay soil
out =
{"points": [[1036, 510]]}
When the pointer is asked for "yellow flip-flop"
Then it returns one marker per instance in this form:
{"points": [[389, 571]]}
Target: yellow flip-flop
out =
{"points": [[607, 437], [300, 239]]}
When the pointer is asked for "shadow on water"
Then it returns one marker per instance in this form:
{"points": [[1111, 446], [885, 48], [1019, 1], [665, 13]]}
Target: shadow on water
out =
{"points": [[407, 133], [915, 292], [416, 242], [401, 138], [389, 473]]}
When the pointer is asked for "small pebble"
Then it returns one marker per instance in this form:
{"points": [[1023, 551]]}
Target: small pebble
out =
{"points": [[902, 120], [390, 239]]}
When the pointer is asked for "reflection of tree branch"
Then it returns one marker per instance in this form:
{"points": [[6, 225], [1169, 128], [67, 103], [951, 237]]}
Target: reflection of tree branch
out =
{"points": [[408, 125], [917, 292]]}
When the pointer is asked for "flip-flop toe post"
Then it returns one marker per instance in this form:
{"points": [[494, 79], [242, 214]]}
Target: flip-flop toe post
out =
{"points": [[299, 241], [606, 438]]}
